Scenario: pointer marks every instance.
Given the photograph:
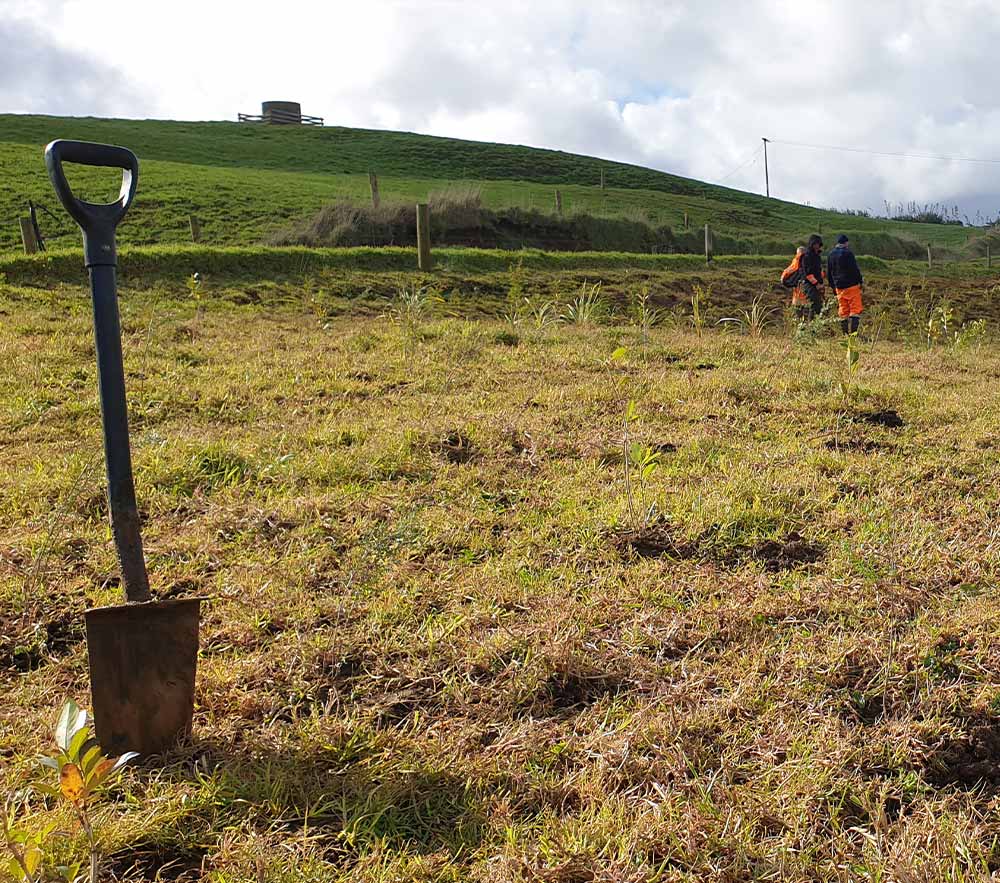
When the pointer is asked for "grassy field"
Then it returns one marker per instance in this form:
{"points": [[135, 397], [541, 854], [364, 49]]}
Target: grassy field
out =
{"points": [[247, 181], [455, 634]]}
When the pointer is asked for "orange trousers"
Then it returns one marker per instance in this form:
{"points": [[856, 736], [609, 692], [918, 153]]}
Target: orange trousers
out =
{"points": [[849, 301]]}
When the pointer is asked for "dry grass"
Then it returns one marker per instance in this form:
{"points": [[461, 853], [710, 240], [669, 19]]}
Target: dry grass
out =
{"points": [[455, 211], [433, 651]]}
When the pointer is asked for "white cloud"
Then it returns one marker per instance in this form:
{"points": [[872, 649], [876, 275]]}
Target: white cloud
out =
{"points": [[688, 87]]}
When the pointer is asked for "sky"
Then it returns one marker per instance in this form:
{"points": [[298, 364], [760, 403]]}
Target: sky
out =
{"points": [[686, 86]]}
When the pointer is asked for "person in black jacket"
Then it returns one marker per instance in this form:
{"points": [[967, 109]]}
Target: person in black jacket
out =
{"points": [[845, 279], [812, 274]]}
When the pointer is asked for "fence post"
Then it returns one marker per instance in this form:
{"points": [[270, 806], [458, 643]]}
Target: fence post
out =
{"points": [[33, 217], [195, 229], [28, 236], [602, 177], [559, 203], [373, 184], [989, 257], [930, 260], [424, 236], [687, 221], [708, 244]]}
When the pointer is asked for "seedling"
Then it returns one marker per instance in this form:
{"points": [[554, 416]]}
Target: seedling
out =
{"points": [[852, 354], [196, 290], [83, 772], [639, 462], [644, 315], [412, 306], [700, 297], [517, 303]]}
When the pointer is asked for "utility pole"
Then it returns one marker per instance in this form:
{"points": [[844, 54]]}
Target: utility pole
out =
{"points": [[767, 178]]}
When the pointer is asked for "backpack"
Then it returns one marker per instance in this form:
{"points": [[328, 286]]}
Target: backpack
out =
{"points": [[791, 276]]}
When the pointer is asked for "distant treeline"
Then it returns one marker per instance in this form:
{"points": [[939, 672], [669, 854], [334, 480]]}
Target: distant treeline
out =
{"points": [[926, 213]]}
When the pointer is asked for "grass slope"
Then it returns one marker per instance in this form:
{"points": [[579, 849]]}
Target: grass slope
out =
{"points": [[245, 181], [438, 650]]}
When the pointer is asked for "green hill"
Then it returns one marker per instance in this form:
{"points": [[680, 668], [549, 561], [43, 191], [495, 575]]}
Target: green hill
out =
{"points": [[248, 181]]}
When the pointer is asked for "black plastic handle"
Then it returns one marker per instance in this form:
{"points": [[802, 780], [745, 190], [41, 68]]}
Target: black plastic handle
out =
{"points": [[97, 220]]}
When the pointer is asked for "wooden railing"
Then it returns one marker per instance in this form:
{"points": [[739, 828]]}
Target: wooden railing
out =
{"points": [[280, 117]]}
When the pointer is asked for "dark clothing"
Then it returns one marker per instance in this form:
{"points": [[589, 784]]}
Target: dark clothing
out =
{"points": [[842, 268], [812, 265], [815, 296]]}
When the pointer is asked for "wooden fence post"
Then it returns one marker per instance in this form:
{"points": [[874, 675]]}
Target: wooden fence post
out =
{"points": [[373, 184], [195, 229], [33, 217], [687, 221], [28, 236], [424, 237], [930, 260], [602, 177], [559, 203], [989, 257], [708, 244]]}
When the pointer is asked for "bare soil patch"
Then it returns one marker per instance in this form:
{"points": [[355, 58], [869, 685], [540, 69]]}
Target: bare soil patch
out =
{"points": [[455, 447], [787, 552], [969, 761]]}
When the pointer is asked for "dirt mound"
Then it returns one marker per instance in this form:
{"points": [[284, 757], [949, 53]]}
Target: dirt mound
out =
{"points": [[789, 552], [659, 540], [860, 445], [888, 418], [653, 541], [971, 760], [32, 648], [455, 447]]}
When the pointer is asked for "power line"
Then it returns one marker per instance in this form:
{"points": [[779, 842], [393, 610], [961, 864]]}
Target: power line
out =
{"points": [[751, 159], [886, 153]]}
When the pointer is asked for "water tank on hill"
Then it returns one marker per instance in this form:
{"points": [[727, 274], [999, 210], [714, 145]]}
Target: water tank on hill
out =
{"points": [[281, 113]]}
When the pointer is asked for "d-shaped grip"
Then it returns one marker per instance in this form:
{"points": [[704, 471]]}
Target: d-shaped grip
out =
{"points": [[97, 220]]}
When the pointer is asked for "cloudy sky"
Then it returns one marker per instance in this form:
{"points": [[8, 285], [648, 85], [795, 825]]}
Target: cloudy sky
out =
{"points": [[687, 86]]}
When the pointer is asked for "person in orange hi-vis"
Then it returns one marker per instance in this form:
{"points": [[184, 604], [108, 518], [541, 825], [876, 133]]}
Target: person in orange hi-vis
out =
{"points": [[846, 280], [812, 274], [791, 277]]}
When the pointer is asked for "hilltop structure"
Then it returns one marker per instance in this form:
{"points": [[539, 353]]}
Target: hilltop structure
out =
{"points": [[281, 113]]}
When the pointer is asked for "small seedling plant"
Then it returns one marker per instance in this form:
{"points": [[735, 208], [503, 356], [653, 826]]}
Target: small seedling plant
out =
{"points": [[82, 773], [852, 359], [644, 315], [412, 306], [517, 302], [639, 462], [195, 287], [701, 295]]}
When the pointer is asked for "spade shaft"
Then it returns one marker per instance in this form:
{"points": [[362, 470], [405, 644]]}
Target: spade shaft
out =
{"points": [[98, 223], [114, 419]]}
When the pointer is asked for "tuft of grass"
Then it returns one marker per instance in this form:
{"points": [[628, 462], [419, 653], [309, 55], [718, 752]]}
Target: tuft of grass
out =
{"points": [[589, 307], [753, 320]]}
